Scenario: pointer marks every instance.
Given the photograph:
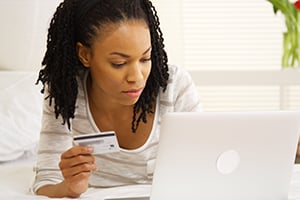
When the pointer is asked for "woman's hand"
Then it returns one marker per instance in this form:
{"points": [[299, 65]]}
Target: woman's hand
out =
{"points": [[76, 166]]}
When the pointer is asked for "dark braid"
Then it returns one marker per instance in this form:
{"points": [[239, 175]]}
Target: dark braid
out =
{"points": [[61, 63], [62, 66], [159, 71]]}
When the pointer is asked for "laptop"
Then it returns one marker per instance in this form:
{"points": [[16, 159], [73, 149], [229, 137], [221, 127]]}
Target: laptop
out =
{"points": [[225, 156]]}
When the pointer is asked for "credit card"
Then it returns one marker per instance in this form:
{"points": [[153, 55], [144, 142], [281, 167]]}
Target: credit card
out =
{"points": [[105, 142]]}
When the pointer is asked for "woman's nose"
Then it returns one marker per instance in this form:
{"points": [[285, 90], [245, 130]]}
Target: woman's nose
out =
{"points": [[135, 73]]}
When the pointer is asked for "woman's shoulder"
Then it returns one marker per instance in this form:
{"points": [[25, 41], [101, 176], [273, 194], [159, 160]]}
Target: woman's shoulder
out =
{"points": [[179, 75], [181, 93], [174, 69], [178, 79]]}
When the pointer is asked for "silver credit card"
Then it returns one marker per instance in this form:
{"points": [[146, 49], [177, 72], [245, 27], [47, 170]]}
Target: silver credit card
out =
{"points": [[104, 142]]}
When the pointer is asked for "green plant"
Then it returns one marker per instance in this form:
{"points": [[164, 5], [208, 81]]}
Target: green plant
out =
{"points": [[291, 38]]}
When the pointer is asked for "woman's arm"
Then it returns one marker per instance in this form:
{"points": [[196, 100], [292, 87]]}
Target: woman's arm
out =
{"points": [[62, 170], [56, 191]]}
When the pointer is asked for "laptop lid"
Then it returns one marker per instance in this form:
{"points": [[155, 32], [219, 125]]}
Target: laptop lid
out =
{"points": [[228, 155]]}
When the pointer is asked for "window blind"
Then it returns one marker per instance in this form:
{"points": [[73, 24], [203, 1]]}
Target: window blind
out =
{"points": [[231, 36]]}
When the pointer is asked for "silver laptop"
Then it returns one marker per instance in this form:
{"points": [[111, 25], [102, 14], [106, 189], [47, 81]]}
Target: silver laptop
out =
{"points": [[226, 156]]}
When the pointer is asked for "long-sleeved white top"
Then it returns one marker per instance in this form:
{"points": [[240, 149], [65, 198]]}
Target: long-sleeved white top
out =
{"points": [[114, 169]]}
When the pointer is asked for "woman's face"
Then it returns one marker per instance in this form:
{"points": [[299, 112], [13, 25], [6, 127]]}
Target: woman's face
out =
{"points": [[120, 62]]}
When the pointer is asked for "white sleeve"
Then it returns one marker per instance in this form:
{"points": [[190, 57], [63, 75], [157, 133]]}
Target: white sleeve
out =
{"points": [[55, 138], [186, 96]]}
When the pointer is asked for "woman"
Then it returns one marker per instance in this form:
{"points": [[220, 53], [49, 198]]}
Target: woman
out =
{"points": [[105, 69]]}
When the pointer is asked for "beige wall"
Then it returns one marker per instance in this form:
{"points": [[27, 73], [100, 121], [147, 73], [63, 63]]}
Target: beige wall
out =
{"points": [[170, 14], [23, 32]]}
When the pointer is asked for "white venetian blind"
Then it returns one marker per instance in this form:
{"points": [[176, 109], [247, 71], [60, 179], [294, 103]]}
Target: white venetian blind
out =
{"points": [[231, 34], [230, 37]]}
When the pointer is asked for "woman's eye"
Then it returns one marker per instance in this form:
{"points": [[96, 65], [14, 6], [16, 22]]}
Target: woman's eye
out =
{"points": [[118, 64], [146, 59]]}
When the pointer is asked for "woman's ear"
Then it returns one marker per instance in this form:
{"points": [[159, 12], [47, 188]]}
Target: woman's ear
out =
{"points": [[84, 54]]}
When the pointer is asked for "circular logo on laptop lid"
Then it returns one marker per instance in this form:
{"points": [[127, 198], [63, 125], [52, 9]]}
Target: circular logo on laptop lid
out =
{"points": [[228, 161]]}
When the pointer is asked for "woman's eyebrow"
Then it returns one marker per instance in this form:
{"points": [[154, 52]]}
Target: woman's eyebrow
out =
{"points": [[127, 56], [147, 50], [120, 54]]}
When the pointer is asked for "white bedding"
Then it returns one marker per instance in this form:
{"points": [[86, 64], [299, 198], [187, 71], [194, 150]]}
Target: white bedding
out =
{"points": [[20, 113], [17, 176]]}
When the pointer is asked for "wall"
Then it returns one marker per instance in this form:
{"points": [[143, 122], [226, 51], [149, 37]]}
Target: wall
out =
{"points": [[170, 15], [23, 32], [24, 27]]}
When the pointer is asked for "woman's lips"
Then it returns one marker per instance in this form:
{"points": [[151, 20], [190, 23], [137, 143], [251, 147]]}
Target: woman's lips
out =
{"points": [[134, 93]]}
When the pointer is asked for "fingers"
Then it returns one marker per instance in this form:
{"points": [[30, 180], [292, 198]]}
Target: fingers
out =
{"points": [[77, 160], [82, 169], [77, 150], [76, 166]]}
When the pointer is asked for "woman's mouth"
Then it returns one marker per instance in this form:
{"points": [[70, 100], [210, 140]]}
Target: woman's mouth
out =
{"points": [[134, 93]]}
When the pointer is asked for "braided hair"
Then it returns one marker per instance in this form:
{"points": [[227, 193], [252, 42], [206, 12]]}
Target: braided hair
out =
{"points": [[80, 21]]}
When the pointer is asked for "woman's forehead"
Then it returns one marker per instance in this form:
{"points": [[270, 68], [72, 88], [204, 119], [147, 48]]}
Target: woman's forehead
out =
{"points": [[131, 38], [109, 28]]}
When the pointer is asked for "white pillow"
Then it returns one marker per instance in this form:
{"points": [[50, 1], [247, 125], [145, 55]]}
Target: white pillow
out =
{"points": [[20, 113]]}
